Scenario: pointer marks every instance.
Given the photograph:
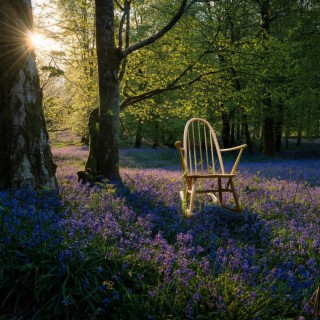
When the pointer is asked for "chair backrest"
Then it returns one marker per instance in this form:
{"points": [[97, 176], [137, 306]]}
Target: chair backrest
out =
{"points": [[201, 149]]}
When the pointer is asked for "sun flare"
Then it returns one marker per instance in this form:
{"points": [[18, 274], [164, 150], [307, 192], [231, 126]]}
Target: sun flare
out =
{"points": [[37, 39], [41, 42]]}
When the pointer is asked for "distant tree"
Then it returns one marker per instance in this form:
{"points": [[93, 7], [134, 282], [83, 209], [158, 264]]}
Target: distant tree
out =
{"points": [[25, 155], [279, 48], [302, 108]]}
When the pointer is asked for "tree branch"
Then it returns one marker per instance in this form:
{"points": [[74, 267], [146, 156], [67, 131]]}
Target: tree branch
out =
{"points": [[149, 94], [160, 33], [58, 130], [189, 67], [127, 38], [119, 5], [121, 28]]}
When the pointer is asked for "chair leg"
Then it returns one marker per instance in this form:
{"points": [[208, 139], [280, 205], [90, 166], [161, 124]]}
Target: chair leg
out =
{"points": [[189, 211], [220, 190], [214, 198], [187, 197], [235, 196]]}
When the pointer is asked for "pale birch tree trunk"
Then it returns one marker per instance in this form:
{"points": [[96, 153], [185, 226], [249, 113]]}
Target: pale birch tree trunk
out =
{"points": [[25, 155]]}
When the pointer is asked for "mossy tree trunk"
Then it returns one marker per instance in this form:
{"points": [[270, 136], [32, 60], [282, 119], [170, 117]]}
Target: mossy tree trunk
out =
{"points": [[25, 155]]}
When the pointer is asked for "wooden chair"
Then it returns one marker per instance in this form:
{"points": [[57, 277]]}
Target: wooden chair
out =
{"points": [[203, 168]]}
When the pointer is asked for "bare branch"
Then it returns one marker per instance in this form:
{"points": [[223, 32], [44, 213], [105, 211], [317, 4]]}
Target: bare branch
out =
{"points": [[127, 39], [149, 94], [160, 33], [59, 130], [119, 5], [121, 28], [184, 72]]}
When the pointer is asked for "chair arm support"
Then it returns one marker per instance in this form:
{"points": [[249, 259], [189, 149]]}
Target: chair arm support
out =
{"points": [[240, 148], [183, 161], [234, 148]]}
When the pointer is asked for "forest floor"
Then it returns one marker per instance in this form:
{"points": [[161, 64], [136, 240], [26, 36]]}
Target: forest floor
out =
{"points": [[125, 251], [72, 156]]}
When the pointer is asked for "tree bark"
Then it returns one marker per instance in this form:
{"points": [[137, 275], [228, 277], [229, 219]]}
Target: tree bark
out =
{"points": [[278, 135], [278, 126], [156, 135], [287, 135], [109, 60], [138, 141], [25, 155], [268, 136], [233, 135], [299, 137], [225, 134], [247, 134], [91, 163], [268, 142]]}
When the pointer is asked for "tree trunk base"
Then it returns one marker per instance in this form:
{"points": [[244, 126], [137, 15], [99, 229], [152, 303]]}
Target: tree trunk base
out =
{"points": [[89, 176]]}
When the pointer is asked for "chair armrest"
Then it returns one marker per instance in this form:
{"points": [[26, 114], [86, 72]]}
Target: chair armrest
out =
{"points": [[178, 145], [234, 148], [240, 148]]}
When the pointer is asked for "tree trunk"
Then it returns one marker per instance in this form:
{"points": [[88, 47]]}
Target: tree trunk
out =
{"points": [[138, 141], [268, 122], [156, 135], [278, 126], [268, 129], [287, 136], [278, 135], [225, 134], [268, 137], [25, 155], [91, 163], [299, 137], [238, 132], [109, 59], [232, 135], [247, 134]]}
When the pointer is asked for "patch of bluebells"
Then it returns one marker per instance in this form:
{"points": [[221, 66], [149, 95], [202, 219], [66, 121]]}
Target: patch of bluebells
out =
{"points": [[283, 228], [214, 264], [289, 170], [30, 220]]}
